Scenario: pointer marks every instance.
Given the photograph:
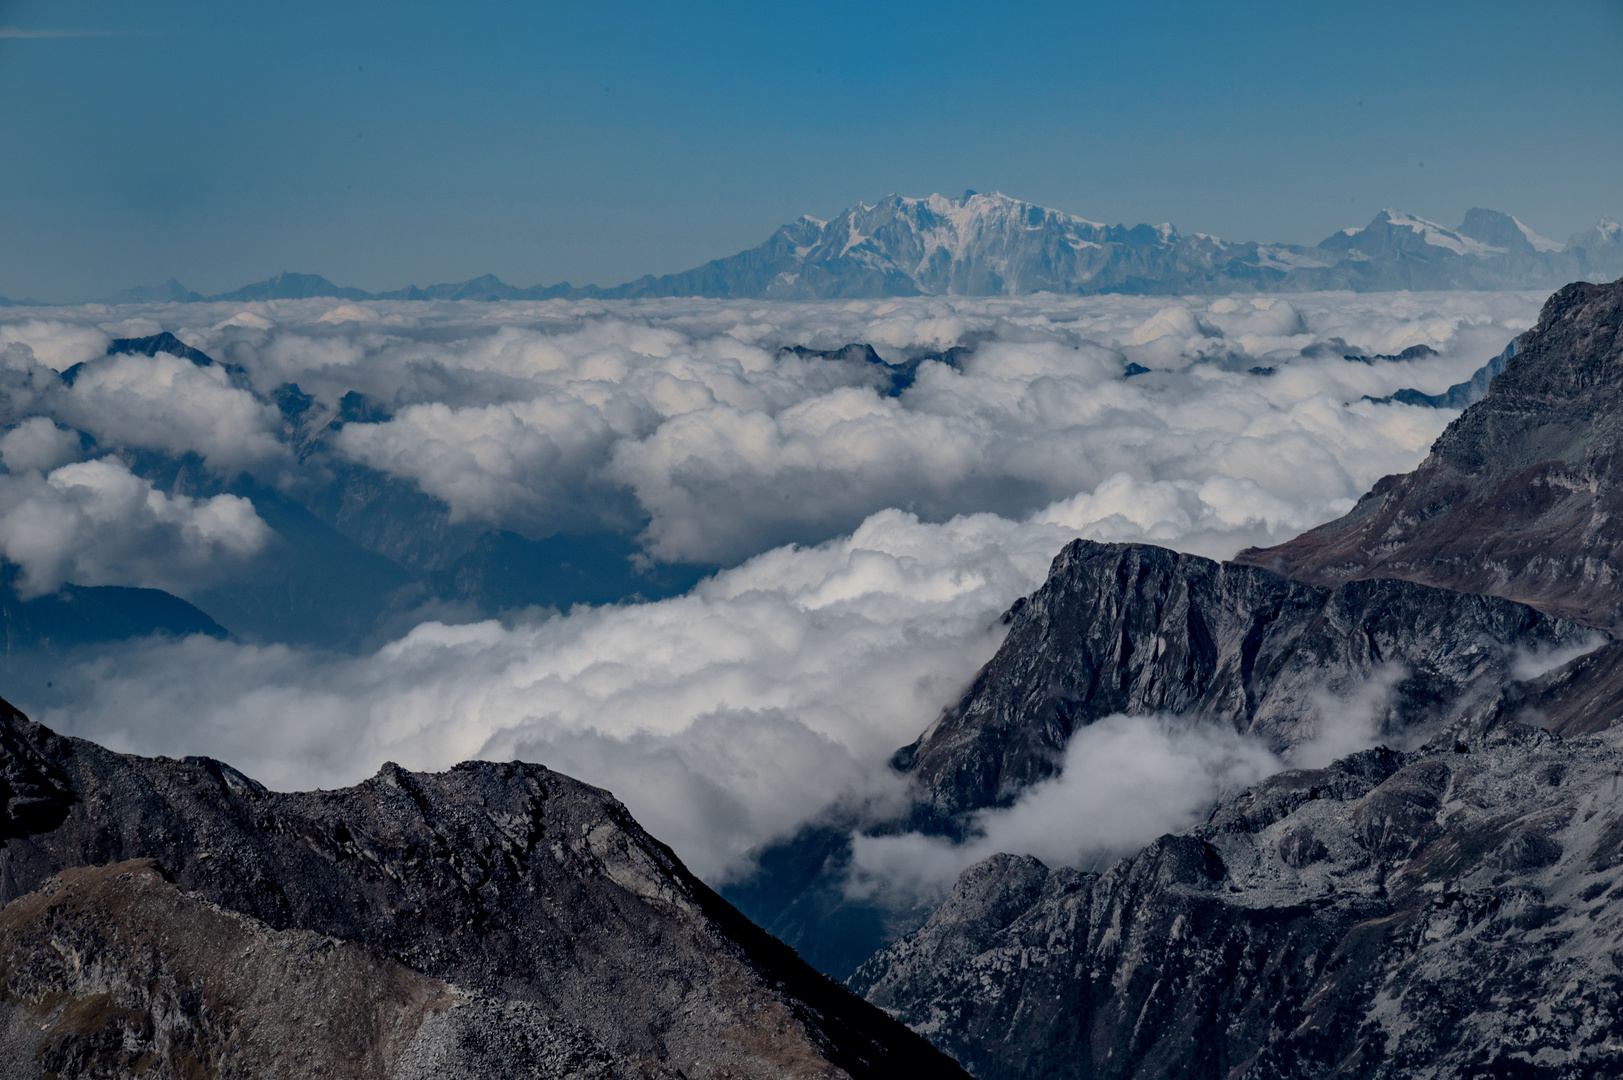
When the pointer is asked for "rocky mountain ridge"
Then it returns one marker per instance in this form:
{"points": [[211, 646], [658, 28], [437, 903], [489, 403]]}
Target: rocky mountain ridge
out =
{"points": [[1518, 495], [1136, 629], [1140, 630], [568, 934], [1448, 911]]}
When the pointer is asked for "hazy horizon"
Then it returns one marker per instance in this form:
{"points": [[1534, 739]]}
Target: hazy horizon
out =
{"points": [[221, 146]]}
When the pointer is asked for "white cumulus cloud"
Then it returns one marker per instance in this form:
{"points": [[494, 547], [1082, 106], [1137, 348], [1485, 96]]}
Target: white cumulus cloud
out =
{"points": [[96, 523], [872, 540], [165, 403]]}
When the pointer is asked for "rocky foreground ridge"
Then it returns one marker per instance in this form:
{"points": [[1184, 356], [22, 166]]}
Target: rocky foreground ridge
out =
{"points": [[175, 919], [1453, 910]]}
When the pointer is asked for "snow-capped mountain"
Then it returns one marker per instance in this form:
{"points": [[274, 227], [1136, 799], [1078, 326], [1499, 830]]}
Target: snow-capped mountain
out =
{"points": [[1600, 248], [991, 244], [994, 245], [1394, 234], [1489, 250], [974, 245], [1504, 232]]}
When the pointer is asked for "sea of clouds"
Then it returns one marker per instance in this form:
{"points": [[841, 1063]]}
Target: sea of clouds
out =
{"points": [[869, 542]]}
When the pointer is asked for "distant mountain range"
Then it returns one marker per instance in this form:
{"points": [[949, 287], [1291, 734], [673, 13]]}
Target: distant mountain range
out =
{"points": [[992, 245]]}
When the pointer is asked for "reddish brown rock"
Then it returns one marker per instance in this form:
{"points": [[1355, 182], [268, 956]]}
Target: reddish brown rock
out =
{"points": [[1520, 497]]}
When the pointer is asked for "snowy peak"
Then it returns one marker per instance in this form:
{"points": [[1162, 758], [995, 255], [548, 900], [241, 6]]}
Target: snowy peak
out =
{"points": [[975, 244], [1393, 232], [989, 244], [1535, 241], [1606, 232]]}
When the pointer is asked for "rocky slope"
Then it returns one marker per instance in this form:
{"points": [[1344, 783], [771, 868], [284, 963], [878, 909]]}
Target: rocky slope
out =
{"points": [[494, 920], [1451, 912], [1136, 629], [1130, 628], [1518, 496]]}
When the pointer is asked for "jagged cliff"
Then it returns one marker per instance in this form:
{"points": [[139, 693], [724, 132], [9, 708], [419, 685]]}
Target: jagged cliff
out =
{"points": [[1452, 912], [1131, 628], [1520, 496], [174, 918]]}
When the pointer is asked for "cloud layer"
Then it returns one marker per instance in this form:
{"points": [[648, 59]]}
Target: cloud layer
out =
{"points": [[723, 717], [873, 540], [684, 419]]}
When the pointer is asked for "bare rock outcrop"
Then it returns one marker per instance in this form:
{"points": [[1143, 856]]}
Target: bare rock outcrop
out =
{"points": [[1449, 912], [492, 915], [1520, 497], [1131, 628]]}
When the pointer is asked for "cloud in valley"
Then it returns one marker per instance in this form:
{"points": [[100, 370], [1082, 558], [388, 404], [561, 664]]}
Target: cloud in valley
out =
{"points": [[723, 717], [872, 540], [1126, 781], [96, 523]]}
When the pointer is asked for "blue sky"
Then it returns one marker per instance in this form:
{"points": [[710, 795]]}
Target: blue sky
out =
{"points": [[388, 144]]}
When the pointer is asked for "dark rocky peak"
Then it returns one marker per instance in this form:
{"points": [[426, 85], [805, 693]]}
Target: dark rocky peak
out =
{"points": [[157, 343], [857, 352], [154, 344], [356, 408], [294, 404], [1520, 497], [533, 895], [889, 379], [74, 615], [1413, 352], [1131, 628], [164, 342], [1447, 912]]}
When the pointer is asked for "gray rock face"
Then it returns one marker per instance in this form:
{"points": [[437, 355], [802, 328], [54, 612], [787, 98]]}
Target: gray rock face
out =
{"points": [[1445, 912], [1450, 912], [1130, 628], [1520, 497], [505, 885]]}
